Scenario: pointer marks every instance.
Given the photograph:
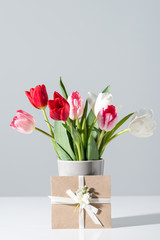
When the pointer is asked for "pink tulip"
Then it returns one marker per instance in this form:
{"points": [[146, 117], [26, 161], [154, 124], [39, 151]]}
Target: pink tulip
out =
{"points": [[23, 122], [107, 118], [76, 105]]}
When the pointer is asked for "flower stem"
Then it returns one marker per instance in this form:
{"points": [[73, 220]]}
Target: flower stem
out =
{"points": [[117, 134], [78, 124], [40, 130], [52, 139], [46, 118], [79, 152], [100, 138], [51, 131], [76, 142], [69, 122]]}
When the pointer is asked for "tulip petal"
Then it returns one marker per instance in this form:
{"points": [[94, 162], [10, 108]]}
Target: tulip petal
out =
{"points": [[92, 99]]}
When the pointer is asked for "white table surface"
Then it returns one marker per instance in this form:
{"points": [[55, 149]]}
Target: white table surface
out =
{"points": [[27, 218]]}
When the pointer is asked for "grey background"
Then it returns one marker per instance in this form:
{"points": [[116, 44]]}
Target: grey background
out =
{"points": [[90, 44]]}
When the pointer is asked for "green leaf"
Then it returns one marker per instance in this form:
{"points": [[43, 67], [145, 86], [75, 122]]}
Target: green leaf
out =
{"points": [[78, 142], [62, 154], [120, 123], [61, 137], [90, 118], [92, 149], [107, 89], [97, 130], [91, 128], [66, 127], [75, 135], [84, 112], [110, 133], [63, 89]]}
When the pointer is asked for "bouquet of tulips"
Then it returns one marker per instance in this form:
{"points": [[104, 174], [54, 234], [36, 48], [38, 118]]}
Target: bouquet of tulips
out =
{"points": [[77, 135]]}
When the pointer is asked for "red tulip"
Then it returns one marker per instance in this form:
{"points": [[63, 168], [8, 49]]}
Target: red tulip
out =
{"points": [[107, 118], [23, 122], [38, 96], [59, 107]]}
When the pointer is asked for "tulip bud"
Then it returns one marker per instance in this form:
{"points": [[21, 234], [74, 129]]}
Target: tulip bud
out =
{"points": [[76, 105], [23, 122], [142, 123]]}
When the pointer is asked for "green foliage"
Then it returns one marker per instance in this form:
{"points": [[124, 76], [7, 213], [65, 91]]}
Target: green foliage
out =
{"points": [[122, 121], [109, 134], [84, 112], [62, 154], [92, 149], [62, 138], [90, 118], [66, 127], [78, 142], [63, 89], [75, 135], [107, 89]]}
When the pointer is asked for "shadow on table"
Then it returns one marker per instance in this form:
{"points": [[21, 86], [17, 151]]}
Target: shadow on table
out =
{"points": [[148, 219]]}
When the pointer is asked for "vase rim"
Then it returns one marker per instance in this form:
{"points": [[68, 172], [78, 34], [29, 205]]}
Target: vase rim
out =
{"points": [[80, 161]]}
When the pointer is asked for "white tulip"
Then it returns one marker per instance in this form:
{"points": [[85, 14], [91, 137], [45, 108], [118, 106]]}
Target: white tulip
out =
{"points": [[92, 99], [100, 101], [142, 123]]}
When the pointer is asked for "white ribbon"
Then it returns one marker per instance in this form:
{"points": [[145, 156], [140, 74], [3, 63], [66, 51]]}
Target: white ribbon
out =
{"points": [[91, 210]]}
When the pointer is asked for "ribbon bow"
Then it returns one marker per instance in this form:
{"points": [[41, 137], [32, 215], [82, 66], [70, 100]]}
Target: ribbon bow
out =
{"points": [[83, 199]]}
